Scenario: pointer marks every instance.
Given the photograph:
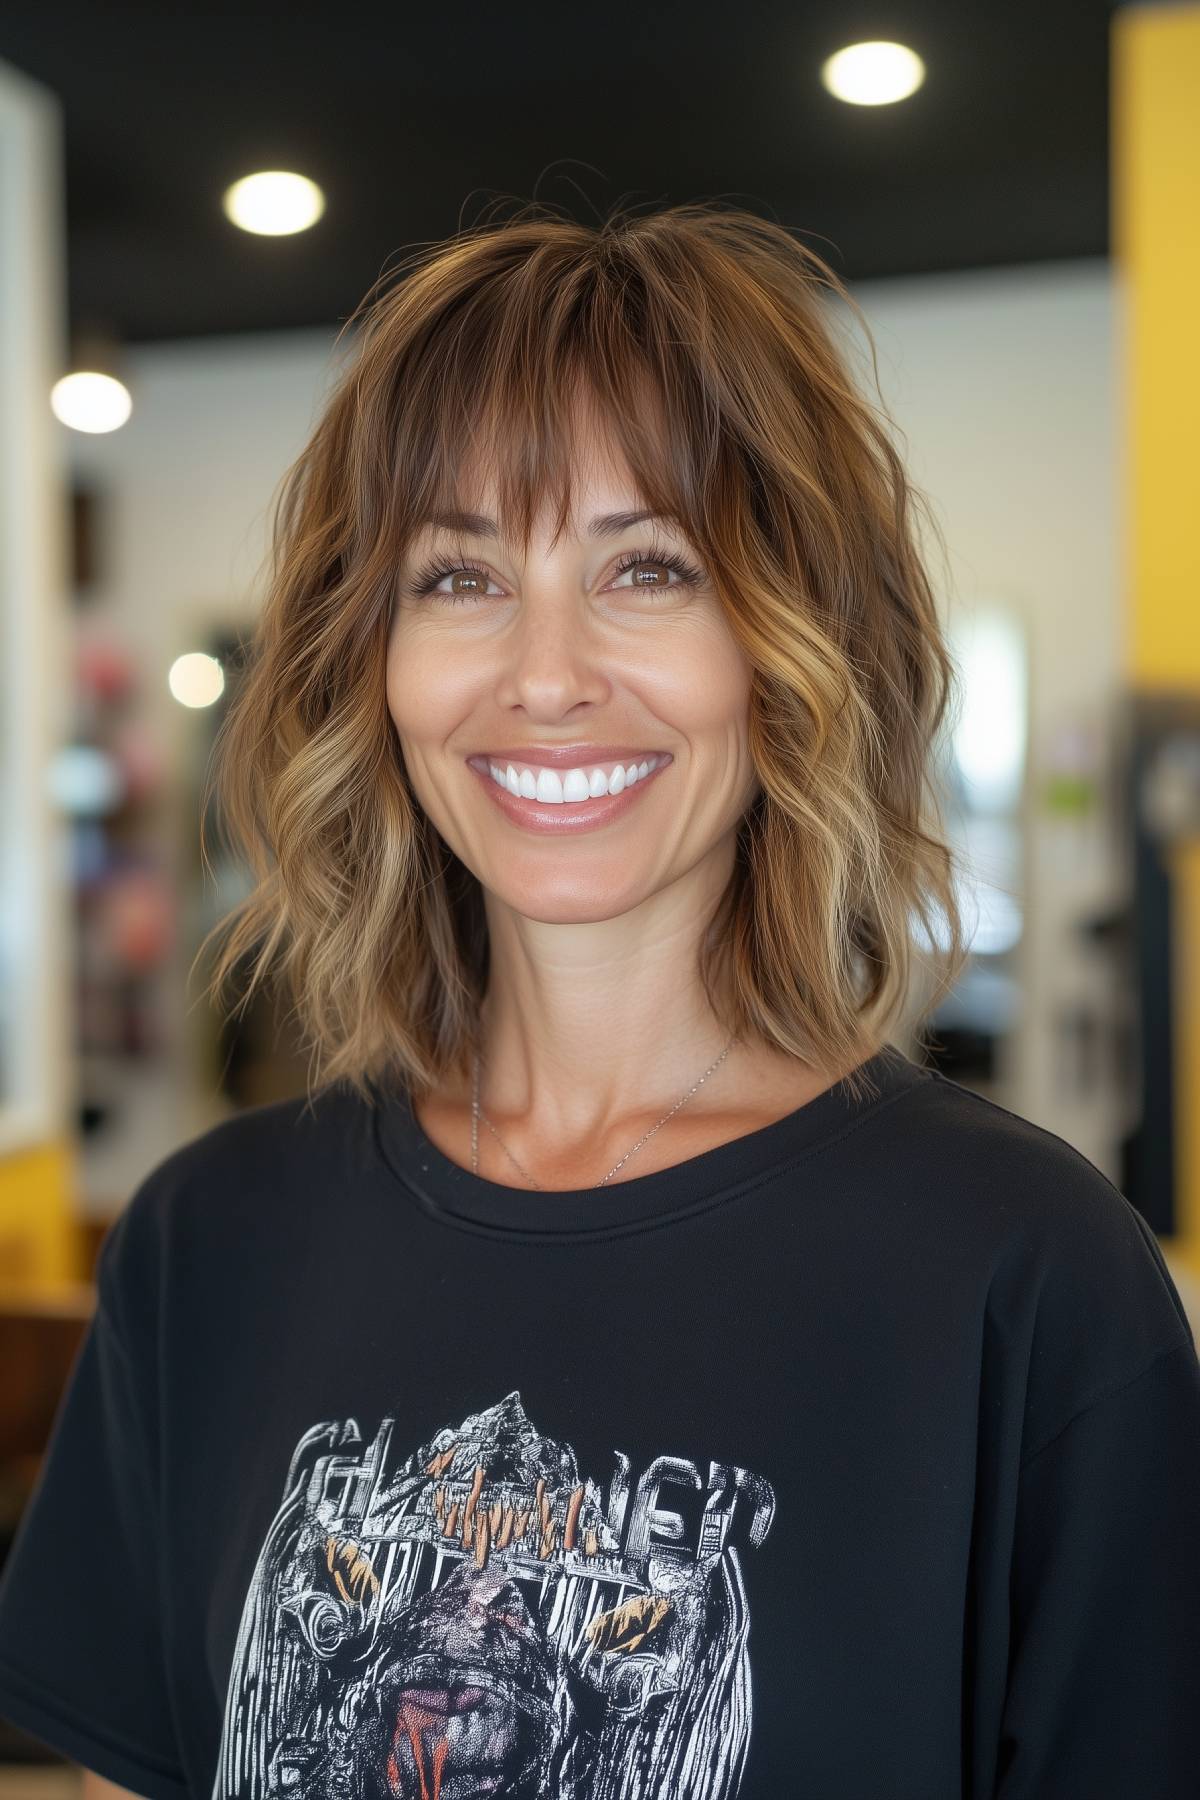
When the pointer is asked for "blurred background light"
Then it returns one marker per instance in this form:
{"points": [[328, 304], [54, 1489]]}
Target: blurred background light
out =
{"points": [[84, 781], [989, 739], [86, 400], [196, 679], [274, 202], [877, 73]]}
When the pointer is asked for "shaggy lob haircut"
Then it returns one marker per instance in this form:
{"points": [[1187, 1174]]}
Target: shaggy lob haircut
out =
{"points": [[703, 336]]}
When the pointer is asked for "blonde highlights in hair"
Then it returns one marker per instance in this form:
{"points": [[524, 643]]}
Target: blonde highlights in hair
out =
{"points": [[761, 445]]}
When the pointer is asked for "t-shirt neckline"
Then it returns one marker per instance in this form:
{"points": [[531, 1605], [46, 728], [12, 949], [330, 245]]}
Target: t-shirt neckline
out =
{"points": [[444, 1188]]}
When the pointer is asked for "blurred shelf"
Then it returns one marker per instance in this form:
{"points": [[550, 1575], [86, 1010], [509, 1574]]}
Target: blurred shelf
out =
{"points": [[39, 1784], [53, 1300]]}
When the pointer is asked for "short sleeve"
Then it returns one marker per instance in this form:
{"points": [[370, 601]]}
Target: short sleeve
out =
{"points": [[1104, 1673], [81, 1645]]}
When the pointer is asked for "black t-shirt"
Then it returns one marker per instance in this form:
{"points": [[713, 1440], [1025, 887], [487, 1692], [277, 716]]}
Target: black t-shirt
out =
{"points": [[855, 1459]]}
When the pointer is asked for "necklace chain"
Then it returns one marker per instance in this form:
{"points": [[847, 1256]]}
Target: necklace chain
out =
{"points": [[477, 1113]]}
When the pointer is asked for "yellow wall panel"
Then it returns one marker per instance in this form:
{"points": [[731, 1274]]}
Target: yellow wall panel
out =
{"points": [[40, 1241], [1156, 244]]}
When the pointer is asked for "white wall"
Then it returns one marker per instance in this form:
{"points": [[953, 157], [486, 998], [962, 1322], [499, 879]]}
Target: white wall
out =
{"points": [[36, 1099], [1004, 384]]}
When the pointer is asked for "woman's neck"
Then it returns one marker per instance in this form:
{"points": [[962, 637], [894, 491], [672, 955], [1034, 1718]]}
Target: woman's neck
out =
{"points": [[562, 1146]]}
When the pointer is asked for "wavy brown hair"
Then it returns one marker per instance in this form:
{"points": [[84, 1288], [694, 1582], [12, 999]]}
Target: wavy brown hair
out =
{"points": [[784, 476]]}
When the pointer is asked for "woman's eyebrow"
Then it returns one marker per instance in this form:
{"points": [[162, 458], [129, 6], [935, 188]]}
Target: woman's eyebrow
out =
{"points": [[480, 525]]}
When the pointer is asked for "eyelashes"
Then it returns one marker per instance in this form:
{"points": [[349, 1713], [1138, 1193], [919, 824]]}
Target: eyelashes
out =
{"points": [[688, 573], [427, 579]]}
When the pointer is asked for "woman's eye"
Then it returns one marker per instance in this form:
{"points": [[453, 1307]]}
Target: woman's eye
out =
{"points": [[466, 582], [649, 574], [657, 572], [457, 583]]}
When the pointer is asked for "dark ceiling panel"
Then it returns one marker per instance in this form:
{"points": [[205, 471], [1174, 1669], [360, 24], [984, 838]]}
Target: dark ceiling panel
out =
{"points": [[413, 120]]}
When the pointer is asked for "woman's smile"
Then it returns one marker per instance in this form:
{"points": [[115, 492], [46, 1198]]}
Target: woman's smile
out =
{"points": [[580, 798]]}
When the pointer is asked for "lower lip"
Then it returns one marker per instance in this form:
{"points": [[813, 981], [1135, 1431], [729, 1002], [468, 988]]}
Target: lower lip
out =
{"points": [[571, 815]]}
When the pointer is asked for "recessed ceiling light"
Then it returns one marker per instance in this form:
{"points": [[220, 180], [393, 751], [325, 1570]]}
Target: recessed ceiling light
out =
{"points": [[274, 202], [86, 400], [873, 74]]}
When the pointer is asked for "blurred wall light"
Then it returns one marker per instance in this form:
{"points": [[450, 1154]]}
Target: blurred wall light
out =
{"points": [[85, 781], [88, 400], [989, 737], [876, 73], [196, 679], [273, 203]]}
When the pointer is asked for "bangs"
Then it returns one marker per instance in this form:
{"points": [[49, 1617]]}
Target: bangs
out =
{"points": [[513, 388]]}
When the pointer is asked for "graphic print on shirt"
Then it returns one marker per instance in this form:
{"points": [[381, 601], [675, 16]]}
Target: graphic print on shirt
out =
{"points": [[483, 1620]]}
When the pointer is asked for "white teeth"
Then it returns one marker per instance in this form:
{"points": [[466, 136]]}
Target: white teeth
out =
{"points": [[572, 785]]}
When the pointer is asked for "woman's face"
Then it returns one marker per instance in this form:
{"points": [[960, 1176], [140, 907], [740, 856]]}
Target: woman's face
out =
{"points": [[562, 670]]}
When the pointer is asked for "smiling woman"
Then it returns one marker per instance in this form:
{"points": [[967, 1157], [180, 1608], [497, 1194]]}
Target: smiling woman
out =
{"points": [[630, 1377], [584, 484]]}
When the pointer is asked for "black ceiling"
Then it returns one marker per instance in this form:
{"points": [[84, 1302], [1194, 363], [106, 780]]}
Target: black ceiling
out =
{"points": [[414, 118]]}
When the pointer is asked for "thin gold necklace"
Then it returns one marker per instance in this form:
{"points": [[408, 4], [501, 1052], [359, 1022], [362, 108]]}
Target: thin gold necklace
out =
{"points": [[477, 1114]]}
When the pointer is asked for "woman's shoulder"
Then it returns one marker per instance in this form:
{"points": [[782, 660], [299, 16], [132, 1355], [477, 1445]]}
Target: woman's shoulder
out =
{"points": [[999, 1162], [1073, 1271]]}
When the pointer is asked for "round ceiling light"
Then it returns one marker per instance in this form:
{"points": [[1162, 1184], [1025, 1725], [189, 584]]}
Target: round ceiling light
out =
{"points": [[86, 400], [273, 203], [877, 73]]}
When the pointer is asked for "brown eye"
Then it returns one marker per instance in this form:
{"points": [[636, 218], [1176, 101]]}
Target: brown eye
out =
{"points": [[464, 581], [652, 567], [467, 582], [652, 574]]}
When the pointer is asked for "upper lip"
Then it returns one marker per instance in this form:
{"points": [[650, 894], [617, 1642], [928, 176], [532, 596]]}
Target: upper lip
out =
{"points": [[568, 756]]}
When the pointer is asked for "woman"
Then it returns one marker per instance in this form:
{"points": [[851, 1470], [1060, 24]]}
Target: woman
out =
{"points": [[630, 1374]]}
